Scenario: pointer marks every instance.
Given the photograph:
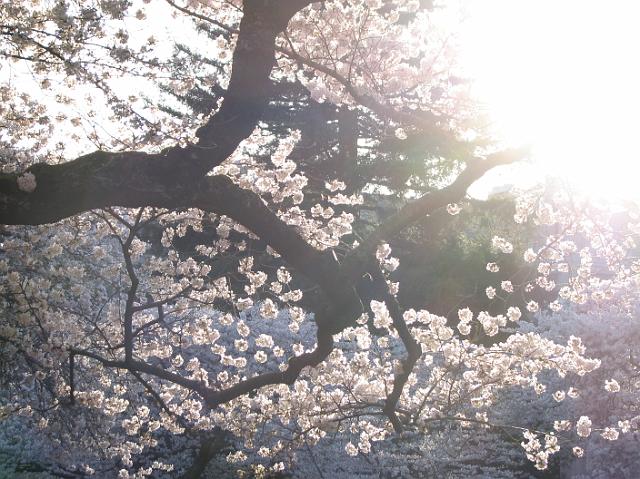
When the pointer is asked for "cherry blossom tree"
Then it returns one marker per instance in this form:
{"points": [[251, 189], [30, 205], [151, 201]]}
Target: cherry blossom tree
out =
{"points": [[185, 257]]}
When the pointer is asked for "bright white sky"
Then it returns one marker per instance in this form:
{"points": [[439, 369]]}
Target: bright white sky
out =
{"points": [[563, 76]]}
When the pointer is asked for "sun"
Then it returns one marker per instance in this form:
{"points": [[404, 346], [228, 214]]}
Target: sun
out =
{"points": [[564, 77]]}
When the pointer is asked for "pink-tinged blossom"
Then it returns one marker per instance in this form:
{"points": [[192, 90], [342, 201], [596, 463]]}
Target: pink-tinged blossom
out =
{"points": [[500, 244], [513, 313], [611, 386], [453, 209], [506, 286], [583, 426], [400, 134], [532, 306], [493, 267], [490, 292]]}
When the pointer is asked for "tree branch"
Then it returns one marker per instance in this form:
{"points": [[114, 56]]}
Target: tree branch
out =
{"points": [[139, 366], [426, 205], [413, 349], [102, 179], [288, 376]]}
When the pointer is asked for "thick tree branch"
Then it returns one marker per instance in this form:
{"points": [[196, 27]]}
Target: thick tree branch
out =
{"points": [[249, 86], [133, 288], [212, 397], [218, 194], [411, 346], [356, 261], [288, 376], [103, 179], [139, 366], [209, 448]]}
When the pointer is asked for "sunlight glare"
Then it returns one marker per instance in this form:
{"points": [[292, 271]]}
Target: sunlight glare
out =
{"points": [[563, 76]]}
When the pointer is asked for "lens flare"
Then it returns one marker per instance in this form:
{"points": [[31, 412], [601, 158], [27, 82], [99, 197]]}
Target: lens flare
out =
{"points": [[562, 76]]}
